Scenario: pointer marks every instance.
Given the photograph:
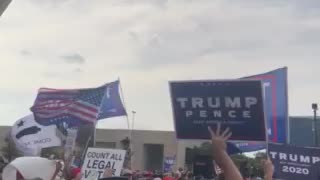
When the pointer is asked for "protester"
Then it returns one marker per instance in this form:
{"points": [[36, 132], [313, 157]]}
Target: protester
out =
{"points": [[77, 177], [75, 172], [220, 154], [127, 173], [167, 176]]}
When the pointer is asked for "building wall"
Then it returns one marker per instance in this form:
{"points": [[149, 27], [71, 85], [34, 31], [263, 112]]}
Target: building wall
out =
{"points": [[139, 139]]}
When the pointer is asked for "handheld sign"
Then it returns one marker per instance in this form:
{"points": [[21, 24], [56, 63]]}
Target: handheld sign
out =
{"points": [[98, 159], [294, 163], [168, 163], [237, 104]]}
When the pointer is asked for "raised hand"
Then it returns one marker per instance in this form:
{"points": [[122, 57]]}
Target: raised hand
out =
{"points": [[221, 156], [219, 139]]}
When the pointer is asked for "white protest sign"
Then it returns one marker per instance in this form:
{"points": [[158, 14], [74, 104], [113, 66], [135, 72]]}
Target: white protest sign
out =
{"points": [[98, 159]]}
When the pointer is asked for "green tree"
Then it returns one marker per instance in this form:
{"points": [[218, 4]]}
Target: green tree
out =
{"points": [[248, 166]]}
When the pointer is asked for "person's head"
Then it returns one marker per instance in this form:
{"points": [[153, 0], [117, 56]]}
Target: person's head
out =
{"points": [[75, 172], [190, 175], [127, 173], [180, 169], [177, 175]]}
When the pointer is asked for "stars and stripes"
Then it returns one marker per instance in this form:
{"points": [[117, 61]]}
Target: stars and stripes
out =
{"points": [[71, 106]]}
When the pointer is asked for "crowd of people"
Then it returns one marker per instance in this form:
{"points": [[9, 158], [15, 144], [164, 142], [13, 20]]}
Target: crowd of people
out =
{"points": [[219, 138]]}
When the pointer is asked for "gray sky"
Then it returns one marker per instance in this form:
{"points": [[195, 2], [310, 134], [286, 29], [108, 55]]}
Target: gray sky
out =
{"points": [[81, 43]]}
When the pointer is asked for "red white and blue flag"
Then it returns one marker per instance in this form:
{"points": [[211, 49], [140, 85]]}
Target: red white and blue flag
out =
{"points": [[76, 106]]}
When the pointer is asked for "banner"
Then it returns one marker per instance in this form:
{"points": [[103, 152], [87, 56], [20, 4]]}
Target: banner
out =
{"points": [[250, 146], [97, 160], [168, 163], [295, 163], [276, 103], [30, 137], [237, 104]]}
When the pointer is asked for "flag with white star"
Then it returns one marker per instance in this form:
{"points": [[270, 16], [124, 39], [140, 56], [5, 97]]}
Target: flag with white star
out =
{"points": [[112, 105]]}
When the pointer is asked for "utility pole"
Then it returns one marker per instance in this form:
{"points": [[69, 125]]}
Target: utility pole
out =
{"points": [[314, 126]]}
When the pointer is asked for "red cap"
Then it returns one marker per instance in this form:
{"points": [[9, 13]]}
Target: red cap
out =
{"points": [[75, 172]]}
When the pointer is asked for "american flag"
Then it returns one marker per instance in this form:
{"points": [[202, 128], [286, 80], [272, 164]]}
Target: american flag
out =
{"points": [[53, 106]]}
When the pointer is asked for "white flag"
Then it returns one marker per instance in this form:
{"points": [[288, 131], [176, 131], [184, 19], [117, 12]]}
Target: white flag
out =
{"points": [[30, 137]]}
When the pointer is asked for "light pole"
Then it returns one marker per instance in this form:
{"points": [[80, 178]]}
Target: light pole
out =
{"points": [[133, 116], [314, 126], [131, 138]]}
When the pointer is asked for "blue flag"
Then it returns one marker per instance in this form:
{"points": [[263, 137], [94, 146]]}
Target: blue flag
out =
{"points": [[275, 103], [112, 105]]}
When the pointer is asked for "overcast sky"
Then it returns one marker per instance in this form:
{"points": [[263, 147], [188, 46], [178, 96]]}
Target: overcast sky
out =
{"points": [[81, 43]]}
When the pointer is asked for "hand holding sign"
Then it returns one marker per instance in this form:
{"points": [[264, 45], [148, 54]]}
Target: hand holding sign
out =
{"points": [[107, 173]]}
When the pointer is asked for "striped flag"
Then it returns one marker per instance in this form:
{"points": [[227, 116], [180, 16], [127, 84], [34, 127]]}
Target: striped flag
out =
{"points": [[74, 107]]}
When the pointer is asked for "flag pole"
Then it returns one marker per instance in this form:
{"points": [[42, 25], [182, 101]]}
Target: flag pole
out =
{"points": [[131, 137], [128, 123], [124, 104], [85, 149]]}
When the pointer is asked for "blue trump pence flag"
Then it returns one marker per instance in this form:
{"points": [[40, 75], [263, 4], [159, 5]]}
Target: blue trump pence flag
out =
{"points": [[237, 104], [112, 105], [275, 103], [77, 106]]}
